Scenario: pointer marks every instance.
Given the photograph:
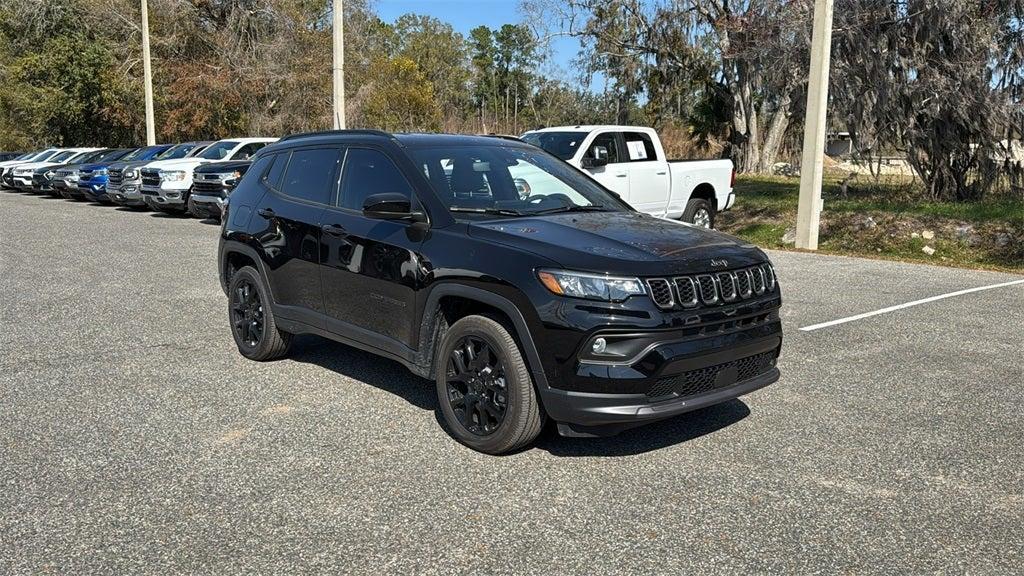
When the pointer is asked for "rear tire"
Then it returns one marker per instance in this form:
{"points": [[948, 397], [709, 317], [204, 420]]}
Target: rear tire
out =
{"points": [[252, 318], [484, 388], [699, 212]]}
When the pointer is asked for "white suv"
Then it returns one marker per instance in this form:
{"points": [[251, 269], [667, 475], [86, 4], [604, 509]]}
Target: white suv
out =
{"points": [[166, 184]]}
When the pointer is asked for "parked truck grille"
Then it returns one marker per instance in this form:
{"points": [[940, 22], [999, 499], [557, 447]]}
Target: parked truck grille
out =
{"points": [[151, 178], [115, 177], [684, 292], [707, 379], [208, 186]]}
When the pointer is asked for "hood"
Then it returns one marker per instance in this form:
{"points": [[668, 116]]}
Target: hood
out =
{"points": [[179, 164], [94, 166], [620, 243], [228, 166]]}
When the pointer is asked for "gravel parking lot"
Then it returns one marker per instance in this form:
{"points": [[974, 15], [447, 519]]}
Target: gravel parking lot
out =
{"points": [[135, 439]]}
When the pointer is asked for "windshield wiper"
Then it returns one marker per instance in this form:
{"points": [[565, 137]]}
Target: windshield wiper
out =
{"points": [[498, 211], [573, 208]]}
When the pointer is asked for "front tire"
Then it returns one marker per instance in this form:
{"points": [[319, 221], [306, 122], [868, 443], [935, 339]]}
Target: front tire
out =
{"points": [[252, 319], [699, 212], [484, 387]]}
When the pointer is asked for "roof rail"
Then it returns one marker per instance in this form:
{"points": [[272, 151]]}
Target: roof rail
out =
{"points": [[504, 137], [337, 132]]}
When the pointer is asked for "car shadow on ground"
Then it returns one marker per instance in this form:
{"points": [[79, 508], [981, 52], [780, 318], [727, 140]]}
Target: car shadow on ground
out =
{"points": [[392, 377]]}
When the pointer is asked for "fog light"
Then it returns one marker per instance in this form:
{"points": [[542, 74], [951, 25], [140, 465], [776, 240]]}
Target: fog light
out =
{"points": [[599, 346]]}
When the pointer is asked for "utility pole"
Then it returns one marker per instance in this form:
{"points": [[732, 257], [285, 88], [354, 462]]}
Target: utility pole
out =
{"points": [[148, 76], [339, 66], [809, 212]]}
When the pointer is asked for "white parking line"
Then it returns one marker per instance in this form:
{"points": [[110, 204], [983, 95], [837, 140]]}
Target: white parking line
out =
{"points": [[907, 305]]}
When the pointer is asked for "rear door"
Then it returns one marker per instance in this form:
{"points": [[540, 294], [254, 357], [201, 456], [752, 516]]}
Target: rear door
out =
{"points": [[648, 174], [614, 175], [300, 183], [370, 268]]}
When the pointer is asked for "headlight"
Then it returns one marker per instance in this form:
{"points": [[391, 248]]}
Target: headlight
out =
{"points": [[130, 174], [100, 172], [172, 175], [73, 177], [49, 174], [592, 286]]}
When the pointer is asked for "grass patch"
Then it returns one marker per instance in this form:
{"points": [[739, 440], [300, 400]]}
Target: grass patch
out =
{"points": [[882, 220]]}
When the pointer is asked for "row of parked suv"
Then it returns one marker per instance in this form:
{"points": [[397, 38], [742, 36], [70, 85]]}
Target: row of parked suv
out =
{"points": [[190, 177]]}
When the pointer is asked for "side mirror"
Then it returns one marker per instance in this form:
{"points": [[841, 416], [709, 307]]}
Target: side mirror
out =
{"points": [[390, 206], [599, 158]]}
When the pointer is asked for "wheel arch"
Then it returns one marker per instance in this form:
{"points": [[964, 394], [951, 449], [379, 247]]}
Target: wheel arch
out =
{"points": [[449, 301], [706, 191]]}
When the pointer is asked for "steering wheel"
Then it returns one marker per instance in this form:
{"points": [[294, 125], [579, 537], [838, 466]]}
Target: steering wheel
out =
{"points": [[535, 199]]}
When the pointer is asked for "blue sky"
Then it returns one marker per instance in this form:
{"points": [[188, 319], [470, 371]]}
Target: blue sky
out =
{"points": [[464, 15]]}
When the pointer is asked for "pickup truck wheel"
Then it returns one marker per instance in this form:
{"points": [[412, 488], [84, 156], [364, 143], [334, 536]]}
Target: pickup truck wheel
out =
{"points": [[699, 212], [484, 388], [252, 320]]}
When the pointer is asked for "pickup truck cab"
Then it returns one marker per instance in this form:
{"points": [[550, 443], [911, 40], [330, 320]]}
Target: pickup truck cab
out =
{"points": [[630, 161], [167, 184], [565, 303]]}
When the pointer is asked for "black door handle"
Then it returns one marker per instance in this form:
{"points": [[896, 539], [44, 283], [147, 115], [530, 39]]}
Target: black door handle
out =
{"points": [[334, 230], [266, 212]]}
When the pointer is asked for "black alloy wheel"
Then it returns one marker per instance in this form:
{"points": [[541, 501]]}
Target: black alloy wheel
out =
{"points": [[247, 313], [477, 390]]}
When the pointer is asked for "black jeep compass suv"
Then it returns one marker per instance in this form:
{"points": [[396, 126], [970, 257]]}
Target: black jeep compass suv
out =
{"points": [[561, 302]]}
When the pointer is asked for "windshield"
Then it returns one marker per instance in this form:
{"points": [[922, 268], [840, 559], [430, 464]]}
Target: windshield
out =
{"points": [[179, 151], [111, 155], [561, 144], [509, 181], [218, 150], [147, 153], [62, 156], [83, 157]]}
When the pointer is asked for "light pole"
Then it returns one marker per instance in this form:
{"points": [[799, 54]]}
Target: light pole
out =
{"points": [[809, 211], [147, 74], [339, 66]]}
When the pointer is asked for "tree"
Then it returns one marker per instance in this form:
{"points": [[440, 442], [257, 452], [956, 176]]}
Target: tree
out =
{"points": [[752, 54], [399, 99], [939, 80]]}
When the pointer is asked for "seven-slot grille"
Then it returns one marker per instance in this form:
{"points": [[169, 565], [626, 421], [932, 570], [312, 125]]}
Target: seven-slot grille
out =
{"points": [[151, 177], [711, 289]]}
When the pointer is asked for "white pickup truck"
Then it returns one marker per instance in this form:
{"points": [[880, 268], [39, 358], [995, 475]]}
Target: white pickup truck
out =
{"points": [[630, 161]]}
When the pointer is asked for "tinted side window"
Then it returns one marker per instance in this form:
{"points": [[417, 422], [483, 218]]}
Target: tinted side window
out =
{"points": [[369, 172], [608, 141], [272, 177], [310, 174], [639, 147], [246, 152]]}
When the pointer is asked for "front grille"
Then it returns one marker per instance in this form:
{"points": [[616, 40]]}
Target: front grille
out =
{"points": [[151, 178], [115, 177], [706, 379], [661, 292], [208, 187], [711, 289]]}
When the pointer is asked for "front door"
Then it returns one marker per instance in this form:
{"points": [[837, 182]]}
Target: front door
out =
{"points": [[613, 175], [370, 268], [648, 175]]}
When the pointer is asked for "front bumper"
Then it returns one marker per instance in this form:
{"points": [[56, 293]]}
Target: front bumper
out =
{"points": [[93, 192], [127, 194], [212, 206], [583, 414], [165, 199]]}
